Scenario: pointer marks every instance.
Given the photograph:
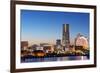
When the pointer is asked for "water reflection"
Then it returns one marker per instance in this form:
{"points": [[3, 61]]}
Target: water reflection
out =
{"points": [[54, 59]]}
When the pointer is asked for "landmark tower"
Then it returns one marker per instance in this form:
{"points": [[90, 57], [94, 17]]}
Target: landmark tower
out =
{"points": [[66, 36]]}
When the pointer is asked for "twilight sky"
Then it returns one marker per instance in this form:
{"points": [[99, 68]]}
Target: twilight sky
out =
{"points": [[46, 26]]}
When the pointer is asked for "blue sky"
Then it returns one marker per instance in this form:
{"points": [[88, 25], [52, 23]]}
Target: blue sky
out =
{"points": [[46, 26]]}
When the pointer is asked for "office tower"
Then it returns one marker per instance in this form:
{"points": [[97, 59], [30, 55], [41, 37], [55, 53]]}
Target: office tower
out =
{"points": [[58, 42], [66, 36], [24, 45], [59, 47]]}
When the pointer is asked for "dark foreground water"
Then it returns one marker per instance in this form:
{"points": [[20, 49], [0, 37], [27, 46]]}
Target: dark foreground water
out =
{"points": [[25, 60]]}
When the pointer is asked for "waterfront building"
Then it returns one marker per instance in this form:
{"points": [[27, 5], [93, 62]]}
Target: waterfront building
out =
{"points": [[66, 36], [34, 47], [24, 45], [59, 48], [58, 42], [48, 48], [81, 40]]}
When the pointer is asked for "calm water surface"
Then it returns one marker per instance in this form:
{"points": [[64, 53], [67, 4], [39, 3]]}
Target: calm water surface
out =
{"points": [[54, 59]]}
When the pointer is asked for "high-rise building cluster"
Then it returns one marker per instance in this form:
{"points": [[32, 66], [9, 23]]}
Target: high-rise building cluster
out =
{"points": [[62, 45]]}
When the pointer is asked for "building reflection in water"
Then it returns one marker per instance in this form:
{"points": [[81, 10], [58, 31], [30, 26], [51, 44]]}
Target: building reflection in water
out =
{"points": [[49, 59]]}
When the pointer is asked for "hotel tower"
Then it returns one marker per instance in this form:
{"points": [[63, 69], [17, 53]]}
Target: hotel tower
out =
{"points": [[66, 36]]}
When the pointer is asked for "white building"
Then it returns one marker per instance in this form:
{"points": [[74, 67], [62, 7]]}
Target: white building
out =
{"points": [[82, 41]]}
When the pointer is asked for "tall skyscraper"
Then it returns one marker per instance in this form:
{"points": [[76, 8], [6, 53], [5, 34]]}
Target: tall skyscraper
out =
{"points": [[66, 36]]}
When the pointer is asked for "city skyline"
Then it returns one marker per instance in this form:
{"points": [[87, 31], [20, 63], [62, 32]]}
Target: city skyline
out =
{"points": [[46, 26]]}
